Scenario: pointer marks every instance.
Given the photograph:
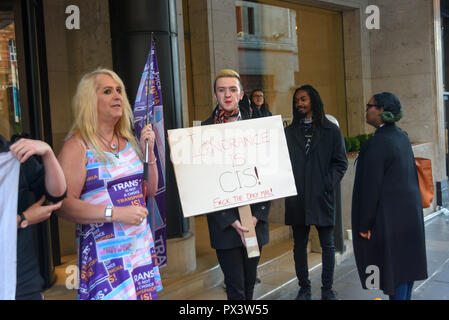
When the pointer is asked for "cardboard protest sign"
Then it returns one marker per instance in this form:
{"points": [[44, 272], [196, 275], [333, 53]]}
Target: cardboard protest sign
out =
{"points": [[231, 165]]}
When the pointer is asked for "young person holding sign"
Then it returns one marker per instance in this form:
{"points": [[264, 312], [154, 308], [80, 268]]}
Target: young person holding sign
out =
{"points": [[225, 228]]}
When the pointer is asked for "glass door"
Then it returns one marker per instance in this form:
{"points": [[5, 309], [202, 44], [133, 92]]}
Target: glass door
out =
{"points": [[10, 107], [24, 106]]}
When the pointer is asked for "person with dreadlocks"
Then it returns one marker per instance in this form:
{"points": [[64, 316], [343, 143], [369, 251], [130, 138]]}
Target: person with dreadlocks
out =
{"points": [[318, 157], [387, 214], [226, 231]]}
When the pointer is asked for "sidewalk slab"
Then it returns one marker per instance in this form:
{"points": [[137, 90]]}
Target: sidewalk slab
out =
{"points": [[435, 287]]}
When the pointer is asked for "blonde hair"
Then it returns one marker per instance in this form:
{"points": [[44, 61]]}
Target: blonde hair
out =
{"points": [[227, 73], [84, 105]]}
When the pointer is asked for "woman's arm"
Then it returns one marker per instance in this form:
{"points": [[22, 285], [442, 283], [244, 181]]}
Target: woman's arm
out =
{"points": [[153, 176], [73, 162], [55, 182]]}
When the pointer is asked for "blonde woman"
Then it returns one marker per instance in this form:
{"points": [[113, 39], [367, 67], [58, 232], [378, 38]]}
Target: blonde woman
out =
{"points": [[101, 160]]}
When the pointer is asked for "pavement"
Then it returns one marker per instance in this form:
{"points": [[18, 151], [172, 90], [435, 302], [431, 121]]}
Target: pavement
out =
{"points": [[435, 287]]}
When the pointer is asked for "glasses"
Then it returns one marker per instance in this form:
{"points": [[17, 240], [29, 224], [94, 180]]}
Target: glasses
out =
{"points": [[370, 105]]}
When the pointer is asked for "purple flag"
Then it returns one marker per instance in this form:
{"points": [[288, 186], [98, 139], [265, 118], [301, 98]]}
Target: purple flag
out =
{"points": [[149, 106]]}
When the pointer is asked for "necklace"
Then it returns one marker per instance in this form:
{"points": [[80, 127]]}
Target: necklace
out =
{"points": [[111, 145], [116, 147]]}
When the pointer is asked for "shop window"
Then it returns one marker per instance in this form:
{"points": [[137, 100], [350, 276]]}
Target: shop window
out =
{"points": [[283, 46], [10, 110], [245, 20], [239, 20]]}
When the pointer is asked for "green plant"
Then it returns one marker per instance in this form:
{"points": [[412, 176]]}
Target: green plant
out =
{"points": [[362, 139], [348, 144], [355, 144]]}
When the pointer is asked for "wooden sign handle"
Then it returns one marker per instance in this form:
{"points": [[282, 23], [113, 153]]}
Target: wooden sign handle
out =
{"points": [[246, 219]]}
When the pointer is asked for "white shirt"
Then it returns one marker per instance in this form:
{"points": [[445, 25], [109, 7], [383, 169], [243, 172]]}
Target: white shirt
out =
{"points": [[9, 188]]}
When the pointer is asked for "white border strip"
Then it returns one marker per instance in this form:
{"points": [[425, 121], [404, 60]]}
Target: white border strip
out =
{"points": [[436, 213]]}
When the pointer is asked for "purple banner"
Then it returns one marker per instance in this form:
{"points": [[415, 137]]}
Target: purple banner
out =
{"points": [[148, 105]]}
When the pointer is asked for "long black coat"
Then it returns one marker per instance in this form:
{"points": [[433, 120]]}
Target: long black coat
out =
{"points": [[316, 175], [386, 200], [222, 234]]}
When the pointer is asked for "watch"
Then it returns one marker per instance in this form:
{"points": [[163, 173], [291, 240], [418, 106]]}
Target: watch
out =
{"points": [[108, 213], [23, 223]]}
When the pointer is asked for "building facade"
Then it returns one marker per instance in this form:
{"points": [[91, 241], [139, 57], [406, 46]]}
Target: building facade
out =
{"points": [[347, 49]]}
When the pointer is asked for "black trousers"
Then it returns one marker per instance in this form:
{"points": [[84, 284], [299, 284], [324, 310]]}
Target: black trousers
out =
{"points": [[301, 238], [239, 272]]}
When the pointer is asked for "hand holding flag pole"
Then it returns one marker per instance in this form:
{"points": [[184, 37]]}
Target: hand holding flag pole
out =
{"points": [[145, 164]]}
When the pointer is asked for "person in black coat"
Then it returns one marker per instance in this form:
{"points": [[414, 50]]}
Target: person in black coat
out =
{"points": [[318, 157], [387, 215], [225, 230]]}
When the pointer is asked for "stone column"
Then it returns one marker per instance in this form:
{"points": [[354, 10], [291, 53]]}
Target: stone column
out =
{"points": [[70, 54], [213, 47], [406, 60], [357, 68]]}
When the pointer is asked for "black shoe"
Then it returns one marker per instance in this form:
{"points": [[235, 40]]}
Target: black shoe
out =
{"points": [[305, 293], [328, 294]]}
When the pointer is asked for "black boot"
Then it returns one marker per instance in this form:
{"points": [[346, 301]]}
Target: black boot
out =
{"points": [[305, 293], [328, 294]]}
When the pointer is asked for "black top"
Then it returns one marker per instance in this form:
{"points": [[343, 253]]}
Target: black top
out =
{"points": [[316, 173], [31, 188], [260, 113]]}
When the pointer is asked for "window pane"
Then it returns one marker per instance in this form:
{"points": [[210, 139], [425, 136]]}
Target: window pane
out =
{"points": [[10, 113], [289, 46]]}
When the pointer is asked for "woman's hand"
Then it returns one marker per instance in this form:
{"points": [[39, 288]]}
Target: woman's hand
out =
{"points": [[132, 215], [25, 148], [366, 235], [147, 133], [38, 212]]}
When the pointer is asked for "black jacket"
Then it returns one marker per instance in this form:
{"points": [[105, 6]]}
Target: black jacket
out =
{"points": [[316, 174], [222, 234], [386, 200], [263, 112]]}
